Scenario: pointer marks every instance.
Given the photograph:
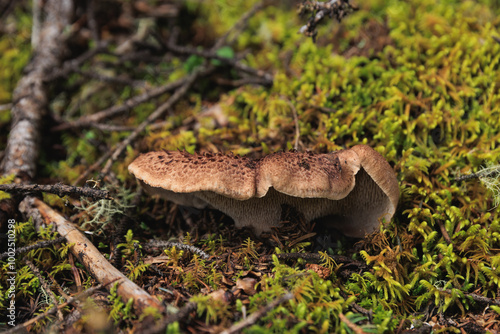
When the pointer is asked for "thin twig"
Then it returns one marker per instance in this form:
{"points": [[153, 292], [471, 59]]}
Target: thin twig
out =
{"points": [[477, 298], [254, 317], [266, 78], [74, 64], [59, 189], [444, 232], [38, 245], [93, 167], [165, 244], [179, 93], [90, 120], [237, 27], [91, 21]]}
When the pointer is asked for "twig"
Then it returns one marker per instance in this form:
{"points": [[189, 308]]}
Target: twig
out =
{"points": [[30, 95], [477, 298], [71, 300], [106, 78], [355, 328], [237, 27], [322, 109], [38, 245], [74, 64], [91, 21], [254, 317], [179, 93], [266, 78], [45, 286], [87, 121], [89, 255], [445, 234], [59, 189], [165, 244], [93, 167], [111, 127]]}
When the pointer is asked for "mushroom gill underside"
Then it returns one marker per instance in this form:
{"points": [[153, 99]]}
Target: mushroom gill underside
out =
{"points": [[355, 215], [339, 186]]}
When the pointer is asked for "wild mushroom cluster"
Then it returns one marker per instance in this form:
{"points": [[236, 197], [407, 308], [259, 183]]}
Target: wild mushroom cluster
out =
{"points": [[355, 188]]}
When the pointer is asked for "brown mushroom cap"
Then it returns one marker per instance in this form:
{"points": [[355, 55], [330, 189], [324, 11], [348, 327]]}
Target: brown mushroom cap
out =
{"points": [[357, 187]]}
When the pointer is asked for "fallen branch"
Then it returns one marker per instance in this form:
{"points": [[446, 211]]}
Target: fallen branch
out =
{"points": [[178, 245], [59, 189], [30, 96], [179, 93], [38, 245], [89, 255], [87, 121]]}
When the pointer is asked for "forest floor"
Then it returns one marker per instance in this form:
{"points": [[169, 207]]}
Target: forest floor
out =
{"points": [[87, 86]]}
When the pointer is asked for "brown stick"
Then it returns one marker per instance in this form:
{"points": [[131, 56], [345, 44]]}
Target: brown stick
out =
{"points": [[59, 189], [89, 255], [30, 95]]}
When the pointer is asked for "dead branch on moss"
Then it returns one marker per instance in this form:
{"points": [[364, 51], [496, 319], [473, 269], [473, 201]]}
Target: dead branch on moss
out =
{"points": [[239, 26], [30, 96], [59, 189], [73, 65], [165, 244], [334, 9], [22, 327], [112, 156], [178, 94], [91, 120], [89, 255], [314, 258], [254, 317], [262, 77], [38, 245], [477, 298]]}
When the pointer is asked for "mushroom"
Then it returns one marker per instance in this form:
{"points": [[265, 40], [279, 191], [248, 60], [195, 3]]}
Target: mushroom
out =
{"points": [[356, 187]]}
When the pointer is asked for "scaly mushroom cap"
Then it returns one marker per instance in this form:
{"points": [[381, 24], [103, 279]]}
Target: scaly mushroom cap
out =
{"points": [[357, 187]]}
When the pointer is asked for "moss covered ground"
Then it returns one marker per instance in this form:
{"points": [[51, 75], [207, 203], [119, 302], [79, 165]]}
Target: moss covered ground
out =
{"points": [[417, 80]]}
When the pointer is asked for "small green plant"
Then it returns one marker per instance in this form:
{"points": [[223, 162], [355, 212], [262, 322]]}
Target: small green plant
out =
{"points": [[119, 310]]}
